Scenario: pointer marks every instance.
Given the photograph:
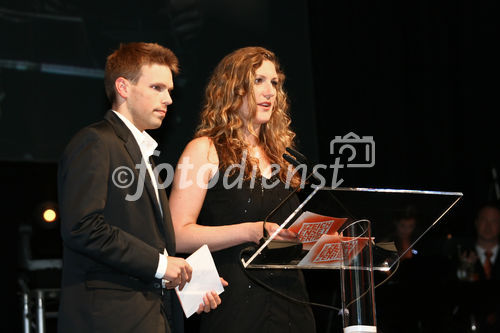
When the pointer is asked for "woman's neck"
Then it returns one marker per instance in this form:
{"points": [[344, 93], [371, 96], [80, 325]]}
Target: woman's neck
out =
{"points": [[251, 139]]}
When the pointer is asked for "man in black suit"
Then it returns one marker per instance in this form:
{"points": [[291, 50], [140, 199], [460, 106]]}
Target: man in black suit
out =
{"points": [[482, 252], [488, 230], [118, 263], [481, 293]]}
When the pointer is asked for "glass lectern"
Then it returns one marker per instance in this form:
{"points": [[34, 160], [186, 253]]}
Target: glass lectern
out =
{"points": [[356, 230]]}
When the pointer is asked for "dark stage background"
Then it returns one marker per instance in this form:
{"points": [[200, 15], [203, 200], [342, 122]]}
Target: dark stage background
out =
{"points": [[420, 77]]}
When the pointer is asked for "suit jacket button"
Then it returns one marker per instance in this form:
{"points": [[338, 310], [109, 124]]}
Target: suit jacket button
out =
{"points": [[156, 285]]}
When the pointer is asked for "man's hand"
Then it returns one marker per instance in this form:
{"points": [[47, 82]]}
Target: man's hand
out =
{"points": [[178, 272], [211, 300]]}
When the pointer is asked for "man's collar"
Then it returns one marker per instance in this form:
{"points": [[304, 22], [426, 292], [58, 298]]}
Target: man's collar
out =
{"points": [[146, 143]]}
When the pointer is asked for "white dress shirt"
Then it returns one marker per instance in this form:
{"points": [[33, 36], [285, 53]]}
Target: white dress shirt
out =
{"points": [[481, 253]]}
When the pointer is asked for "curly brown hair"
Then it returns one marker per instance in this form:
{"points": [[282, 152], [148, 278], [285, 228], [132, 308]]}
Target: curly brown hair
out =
{"points": [[231, 82]]}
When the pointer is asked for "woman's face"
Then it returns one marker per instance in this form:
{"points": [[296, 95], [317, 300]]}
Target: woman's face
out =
{"points": [[264, 90]]}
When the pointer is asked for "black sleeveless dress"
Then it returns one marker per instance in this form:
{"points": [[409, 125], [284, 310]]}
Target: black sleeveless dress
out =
{"points": [[246, 306]]}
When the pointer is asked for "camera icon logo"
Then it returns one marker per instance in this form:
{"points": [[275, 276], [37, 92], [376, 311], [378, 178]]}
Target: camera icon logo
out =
{"points": [[355, 144]]}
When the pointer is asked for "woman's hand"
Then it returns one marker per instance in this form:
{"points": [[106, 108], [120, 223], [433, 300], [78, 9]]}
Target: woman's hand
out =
{"points": [[256, 231], [284, 234], [211, 300]]}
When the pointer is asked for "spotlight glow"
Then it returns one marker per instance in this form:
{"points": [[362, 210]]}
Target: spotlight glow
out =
{"points": [[49, 215]]}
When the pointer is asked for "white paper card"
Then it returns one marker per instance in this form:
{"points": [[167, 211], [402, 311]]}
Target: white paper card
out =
{"points": [[205, 278]]}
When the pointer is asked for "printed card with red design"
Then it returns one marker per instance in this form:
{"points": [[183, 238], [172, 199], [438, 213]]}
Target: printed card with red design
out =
{"points": [[310, 227], [327, 251]]}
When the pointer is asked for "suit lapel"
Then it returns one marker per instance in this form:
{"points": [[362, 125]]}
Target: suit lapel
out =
{"points": [[142, 174], [166, 225], [495, 271]]}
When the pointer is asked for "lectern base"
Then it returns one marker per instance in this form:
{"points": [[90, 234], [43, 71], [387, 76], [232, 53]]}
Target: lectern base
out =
{"points": [[360, 329]]}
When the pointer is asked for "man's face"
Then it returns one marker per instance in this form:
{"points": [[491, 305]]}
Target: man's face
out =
{"points": [[149, 97], [488, 224], [405, 227]]}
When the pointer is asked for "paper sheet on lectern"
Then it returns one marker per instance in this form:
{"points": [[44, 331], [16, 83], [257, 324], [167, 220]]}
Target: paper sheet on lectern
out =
{"points": [[205, 278]]}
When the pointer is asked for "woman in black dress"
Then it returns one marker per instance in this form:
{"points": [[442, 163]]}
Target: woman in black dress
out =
{"points": [[228, 180]]}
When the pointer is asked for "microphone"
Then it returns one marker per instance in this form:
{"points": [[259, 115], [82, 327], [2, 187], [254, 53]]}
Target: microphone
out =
{"points": [[298, 156], [291, 160]]}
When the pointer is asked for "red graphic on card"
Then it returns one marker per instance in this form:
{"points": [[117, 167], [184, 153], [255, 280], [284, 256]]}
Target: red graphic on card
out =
{"points": [[311, 232], [309, 227], [330, 252]]}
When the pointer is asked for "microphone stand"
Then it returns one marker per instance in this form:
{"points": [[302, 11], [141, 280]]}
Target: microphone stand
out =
{"points": [[296, 162], [281, 248]]}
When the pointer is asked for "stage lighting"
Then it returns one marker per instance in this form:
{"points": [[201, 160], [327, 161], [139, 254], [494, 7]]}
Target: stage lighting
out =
{"points": [[47, 214]]}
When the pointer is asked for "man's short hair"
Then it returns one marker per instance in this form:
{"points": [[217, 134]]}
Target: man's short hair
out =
{"points": [[128, 60], [488, 204]]}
